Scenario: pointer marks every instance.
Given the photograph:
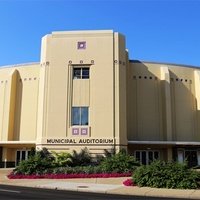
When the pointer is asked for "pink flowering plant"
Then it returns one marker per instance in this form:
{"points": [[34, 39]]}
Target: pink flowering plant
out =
{"points": [[67, 176], [128, 182]]}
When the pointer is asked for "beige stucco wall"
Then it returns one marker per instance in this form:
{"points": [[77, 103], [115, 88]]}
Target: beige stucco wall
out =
{"points": [[18, 102], [104, 92], [183, 104], [166, 108], [145, 104]]}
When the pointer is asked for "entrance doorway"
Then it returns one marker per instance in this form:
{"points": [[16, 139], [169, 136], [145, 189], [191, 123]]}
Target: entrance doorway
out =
{"points": [[145, 157], [191, 158], [21, 155]]}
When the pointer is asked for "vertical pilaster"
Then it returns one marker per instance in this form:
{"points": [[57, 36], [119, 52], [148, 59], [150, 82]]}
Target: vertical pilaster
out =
{"points": [[9, 106], [43, 90], [165, 81], [120, 89], [197, 97], [13, 94]]}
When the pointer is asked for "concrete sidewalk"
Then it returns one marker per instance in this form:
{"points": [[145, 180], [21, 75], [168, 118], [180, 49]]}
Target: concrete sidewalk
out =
{"points": [[98, 185]]}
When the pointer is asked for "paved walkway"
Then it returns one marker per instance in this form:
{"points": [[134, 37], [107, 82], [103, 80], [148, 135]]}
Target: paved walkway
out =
{"points": [[100, 185]]}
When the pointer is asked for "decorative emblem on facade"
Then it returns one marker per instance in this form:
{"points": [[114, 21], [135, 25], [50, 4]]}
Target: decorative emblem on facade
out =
{"points": [[75, 131], [84, 131], [81, 45]]}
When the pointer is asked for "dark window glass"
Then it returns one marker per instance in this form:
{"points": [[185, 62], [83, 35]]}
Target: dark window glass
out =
{"points": [[85, 73], [84, 116], [150, 156], [156, 155], [76, 116], [137, 155], [29, 152], [77, 73], [144, 157], [80, 116], [23, 155], [191, 157], [18, 156], [81, 73]]}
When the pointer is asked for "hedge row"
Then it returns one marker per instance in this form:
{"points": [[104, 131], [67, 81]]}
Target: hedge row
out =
{"points": [[162, 174]]}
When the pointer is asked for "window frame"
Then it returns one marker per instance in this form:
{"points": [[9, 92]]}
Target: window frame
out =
{"points": [[80, 115], [82, 69]]}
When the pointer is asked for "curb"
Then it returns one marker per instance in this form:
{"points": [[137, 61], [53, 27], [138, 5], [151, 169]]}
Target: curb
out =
{"points": [[127, 190]]}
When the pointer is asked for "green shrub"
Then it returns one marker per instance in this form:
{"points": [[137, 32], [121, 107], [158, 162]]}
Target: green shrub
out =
{"points": [[77, 170], [120, 162], [110, 153], [160, 174], [62, 159], [39, 163], [82, 158]]}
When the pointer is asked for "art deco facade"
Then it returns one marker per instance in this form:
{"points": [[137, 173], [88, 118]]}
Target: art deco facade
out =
{"points": [[85, 92]]}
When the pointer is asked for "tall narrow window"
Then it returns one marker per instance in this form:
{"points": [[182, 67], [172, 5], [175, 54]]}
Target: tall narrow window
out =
{"points": [[80, 116], [84, 116], [75, 116], [81, 73]]}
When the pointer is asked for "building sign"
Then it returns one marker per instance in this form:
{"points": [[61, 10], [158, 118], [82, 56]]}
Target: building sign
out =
{"points": [[80, 141]]}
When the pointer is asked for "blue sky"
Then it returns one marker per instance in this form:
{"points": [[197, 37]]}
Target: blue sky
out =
{"points": [[162, 30]]}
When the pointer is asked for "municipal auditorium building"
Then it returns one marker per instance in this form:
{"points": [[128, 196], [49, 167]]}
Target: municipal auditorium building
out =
{"points": [[86, 92]]}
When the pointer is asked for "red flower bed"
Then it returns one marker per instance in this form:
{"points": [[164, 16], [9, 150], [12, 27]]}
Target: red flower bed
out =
{"points": [[67, 176], [129, 182]]}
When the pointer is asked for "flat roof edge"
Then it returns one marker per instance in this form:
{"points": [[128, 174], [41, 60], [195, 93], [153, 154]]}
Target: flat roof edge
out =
{"points": [[81, 32], [164, 63], [19, 65]]}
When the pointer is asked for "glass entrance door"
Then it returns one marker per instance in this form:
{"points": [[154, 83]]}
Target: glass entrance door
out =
{"points": [[145, 157], [21, 155], [191, 157]]}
